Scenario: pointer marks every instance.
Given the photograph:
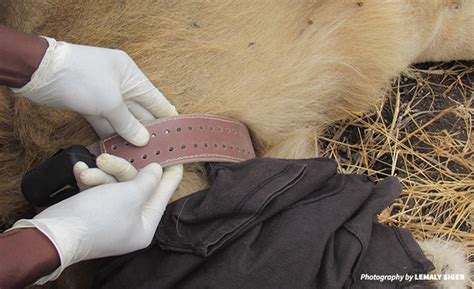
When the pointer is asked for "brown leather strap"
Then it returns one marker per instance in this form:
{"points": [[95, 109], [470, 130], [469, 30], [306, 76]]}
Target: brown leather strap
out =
{"points": [[184, 139]]}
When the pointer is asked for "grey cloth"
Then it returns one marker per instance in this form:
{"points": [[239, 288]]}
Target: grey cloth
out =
{"points": [[274, 223]]}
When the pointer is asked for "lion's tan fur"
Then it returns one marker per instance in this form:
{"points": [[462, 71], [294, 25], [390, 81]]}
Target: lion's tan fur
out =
{"points": [[285, 68]]}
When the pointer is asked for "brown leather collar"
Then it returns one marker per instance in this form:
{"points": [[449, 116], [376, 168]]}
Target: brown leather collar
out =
{"points": [[184, 139]]}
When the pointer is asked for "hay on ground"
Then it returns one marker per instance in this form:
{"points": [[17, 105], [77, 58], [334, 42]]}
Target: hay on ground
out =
{"points": [[422, 134]]}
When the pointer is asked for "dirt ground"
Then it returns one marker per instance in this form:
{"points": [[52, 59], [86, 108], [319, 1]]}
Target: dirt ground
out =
{"points": [[422, 134]]}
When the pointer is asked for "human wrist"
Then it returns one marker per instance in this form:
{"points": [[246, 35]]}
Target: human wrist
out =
{"points": [[65, 235], [20, 56], [26, 254]]}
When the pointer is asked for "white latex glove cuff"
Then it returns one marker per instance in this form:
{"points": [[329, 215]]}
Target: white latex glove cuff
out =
{"points": [[41, 72], [53, 231]]}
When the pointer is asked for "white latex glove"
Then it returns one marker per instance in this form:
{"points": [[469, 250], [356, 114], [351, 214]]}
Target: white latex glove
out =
{"points": [[110, 169], [104, 85], [108, 88], [110, 219]]}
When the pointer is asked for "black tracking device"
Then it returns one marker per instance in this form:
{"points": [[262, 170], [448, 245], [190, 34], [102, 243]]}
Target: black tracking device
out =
{"points": [[53, 180]]}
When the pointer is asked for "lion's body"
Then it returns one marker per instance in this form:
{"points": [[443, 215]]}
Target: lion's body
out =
{"points": [[285, 68]]}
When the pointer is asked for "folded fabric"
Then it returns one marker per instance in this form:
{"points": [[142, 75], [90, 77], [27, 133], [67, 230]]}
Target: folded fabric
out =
{"points": [[274, 223]]}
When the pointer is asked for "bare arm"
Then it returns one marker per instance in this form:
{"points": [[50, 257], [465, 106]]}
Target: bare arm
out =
{"points": [[20, 56], [26, 255]]}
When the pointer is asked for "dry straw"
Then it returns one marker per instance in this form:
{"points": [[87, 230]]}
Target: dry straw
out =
{"points": [[422, 134]]}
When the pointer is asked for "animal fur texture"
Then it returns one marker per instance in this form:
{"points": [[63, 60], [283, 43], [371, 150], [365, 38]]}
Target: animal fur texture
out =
{"points": [[287, 69], [448, 258]]}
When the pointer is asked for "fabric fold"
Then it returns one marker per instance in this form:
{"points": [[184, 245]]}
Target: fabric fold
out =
{"points": [[274, 223], [203, 223]]}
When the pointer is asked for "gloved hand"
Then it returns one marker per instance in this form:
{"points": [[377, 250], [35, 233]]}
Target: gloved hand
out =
{"points": [[104, 85], [110, 169], [110, 219]]}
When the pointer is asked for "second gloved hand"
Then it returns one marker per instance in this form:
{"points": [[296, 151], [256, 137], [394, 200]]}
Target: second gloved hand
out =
{"points": [[110, 219], [104, 85]]}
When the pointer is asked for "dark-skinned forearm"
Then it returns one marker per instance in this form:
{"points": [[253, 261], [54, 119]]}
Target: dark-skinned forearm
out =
{"points": [[20, 56], [26, 255]]}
